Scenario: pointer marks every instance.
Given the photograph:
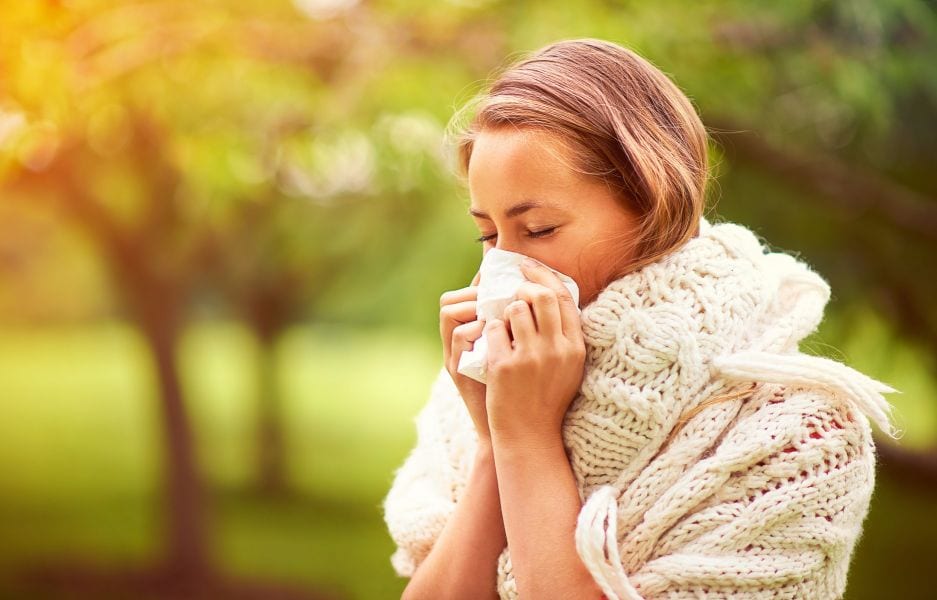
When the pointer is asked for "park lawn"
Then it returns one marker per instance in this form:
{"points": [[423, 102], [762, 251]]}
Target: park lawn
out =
{"points": [[79, 460], [79, 449]]}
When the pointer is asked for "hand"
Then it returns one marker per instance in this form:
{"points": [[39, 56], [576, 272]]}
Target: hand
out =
{"points": [[533, 378], [459, 329]]}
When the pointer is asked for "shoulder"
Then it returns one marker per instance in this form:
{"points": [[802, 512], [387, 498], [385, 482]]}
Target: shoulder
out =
{"points": [[811, 412], [793, 418], [791, 478], [793, 436]]}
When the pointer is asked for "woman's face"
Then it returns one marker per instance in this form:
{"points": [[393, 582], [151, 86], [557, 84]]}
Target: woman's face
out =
{"points": [[527, 198]]}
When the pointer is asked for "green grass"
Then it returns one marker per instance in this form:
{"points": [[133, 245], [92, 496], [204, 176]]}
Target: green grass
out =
{"points": [[79, 454], [79, 448]]}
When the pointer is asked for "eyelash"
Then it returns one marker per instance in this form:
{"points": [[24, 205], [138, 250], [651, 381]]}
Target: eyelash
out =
{"points": [[533, 234]]}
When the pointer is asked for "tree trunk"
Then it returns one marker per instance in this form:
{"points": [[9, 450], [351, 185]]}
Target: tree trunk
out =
{"points": [[186, 551], [271, 451], [916, 468]]}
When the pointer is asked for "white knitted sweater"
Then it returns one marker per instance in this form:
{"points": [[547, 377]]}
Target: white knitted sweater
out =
{"points": [[759, 497]]}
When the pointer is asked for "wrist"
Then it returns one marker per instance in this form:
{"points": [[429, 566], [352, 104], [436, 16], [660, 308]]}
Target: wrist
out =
{"points": [[526, 442], [536, 429], [484, 451]]}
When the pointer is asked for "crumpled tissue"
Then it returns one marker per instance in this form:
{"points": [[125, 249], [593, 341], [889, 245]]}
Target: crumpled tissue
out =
{"points": [[499, 277]]}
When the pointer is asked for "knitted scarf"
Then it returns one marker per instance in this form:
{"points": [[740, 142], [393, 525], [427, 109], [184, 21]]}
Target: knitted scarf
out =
{"points": [[759, 496]]}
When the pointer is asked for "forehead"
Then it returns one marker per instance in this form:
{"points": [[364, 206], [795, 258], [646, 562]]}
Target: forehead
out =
{"points": [[506, 162]]}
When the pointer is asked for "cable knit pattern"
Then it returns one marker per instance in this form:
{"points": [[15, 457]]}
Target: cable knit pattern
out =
{"points": [[763, 496]]}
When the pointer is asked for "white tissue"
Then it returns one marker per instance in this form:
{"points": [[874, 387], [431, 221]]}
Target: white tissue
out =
{"points": [[499, 277]]}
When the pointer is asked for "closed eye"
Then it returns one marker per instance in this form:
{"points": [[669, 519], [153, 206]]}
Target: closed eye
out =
{"points": [[541, 232], [534, 234]]}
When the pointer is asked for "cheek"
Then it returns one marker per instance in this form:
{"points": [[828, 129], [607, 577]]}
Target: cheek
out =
{"points": [[561, 260], [567, 263], [587, 262], [557, 263], [596, 266]]}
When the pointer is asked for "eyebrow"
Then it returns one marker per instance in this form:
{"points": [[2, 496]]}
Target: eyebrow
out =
{"points": [[514, 211]]}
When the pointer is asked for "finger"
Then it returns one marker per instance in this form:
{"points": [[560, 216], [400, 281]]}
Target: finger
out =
{"points": [[466, 334], [458, 313], [545, 306], [569, 311], [477, 278], [499, 344], [463, 340], [460, 295], [518, 314], [453, 315]]}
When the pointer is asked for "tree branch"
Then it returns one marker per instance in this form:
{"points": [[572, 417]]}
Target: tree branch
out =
{"points": [[853, 189], [914, 467], [59, 182]]}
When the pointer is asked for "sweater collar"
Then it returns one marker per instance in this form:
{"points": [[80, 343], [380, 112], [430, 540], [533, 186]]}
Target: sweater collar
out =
{"points": [[721, 305]]}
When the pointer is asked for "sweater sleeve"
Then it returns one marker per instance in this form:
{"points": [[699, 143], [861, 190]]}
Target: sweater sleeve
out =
{"points": [[773, 510], [427, 485]]}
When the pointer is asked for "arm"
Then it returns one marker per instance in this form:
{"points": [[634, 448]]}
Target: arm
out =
{"points": [[426, 487], [463, 561], [532, 379], [540, 504], [461, 558], [773, 512], [459, 543]]}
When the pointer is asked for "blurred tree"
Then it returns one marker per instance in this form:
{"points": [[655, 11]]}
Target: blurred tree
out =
{"points": [[285, 157], [262, 200]]}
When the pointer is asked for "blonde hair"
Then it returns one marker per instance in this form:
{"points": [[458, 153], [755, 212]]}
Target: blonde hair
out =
{"points": [[745, 389], [625, 122]]}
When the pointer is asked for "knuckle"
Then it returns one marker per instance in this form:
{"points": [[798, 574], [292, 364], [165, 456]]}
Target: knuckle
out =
{"points": [[567, 351], [460, 332], [514, 308], [542, 294], [444, 313], [455, 296]]}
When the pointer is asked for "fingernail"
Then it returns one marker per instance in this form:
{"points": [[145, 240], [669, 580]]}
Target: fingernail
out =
{"points": [[529, 262]]}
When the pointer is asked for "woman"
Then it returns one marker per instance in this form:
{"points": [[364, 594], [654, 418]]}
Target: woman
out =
{"points": [[668, 441]]}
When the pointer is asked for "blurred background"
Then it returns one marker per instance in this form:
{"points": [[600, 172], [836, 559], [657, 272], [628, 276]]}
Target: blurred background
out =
{"points": [[225, 227]]}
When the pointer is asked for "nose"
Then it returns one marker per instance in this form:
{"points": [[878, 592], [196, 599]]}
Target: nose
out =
{"points": [[508, 245]]}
